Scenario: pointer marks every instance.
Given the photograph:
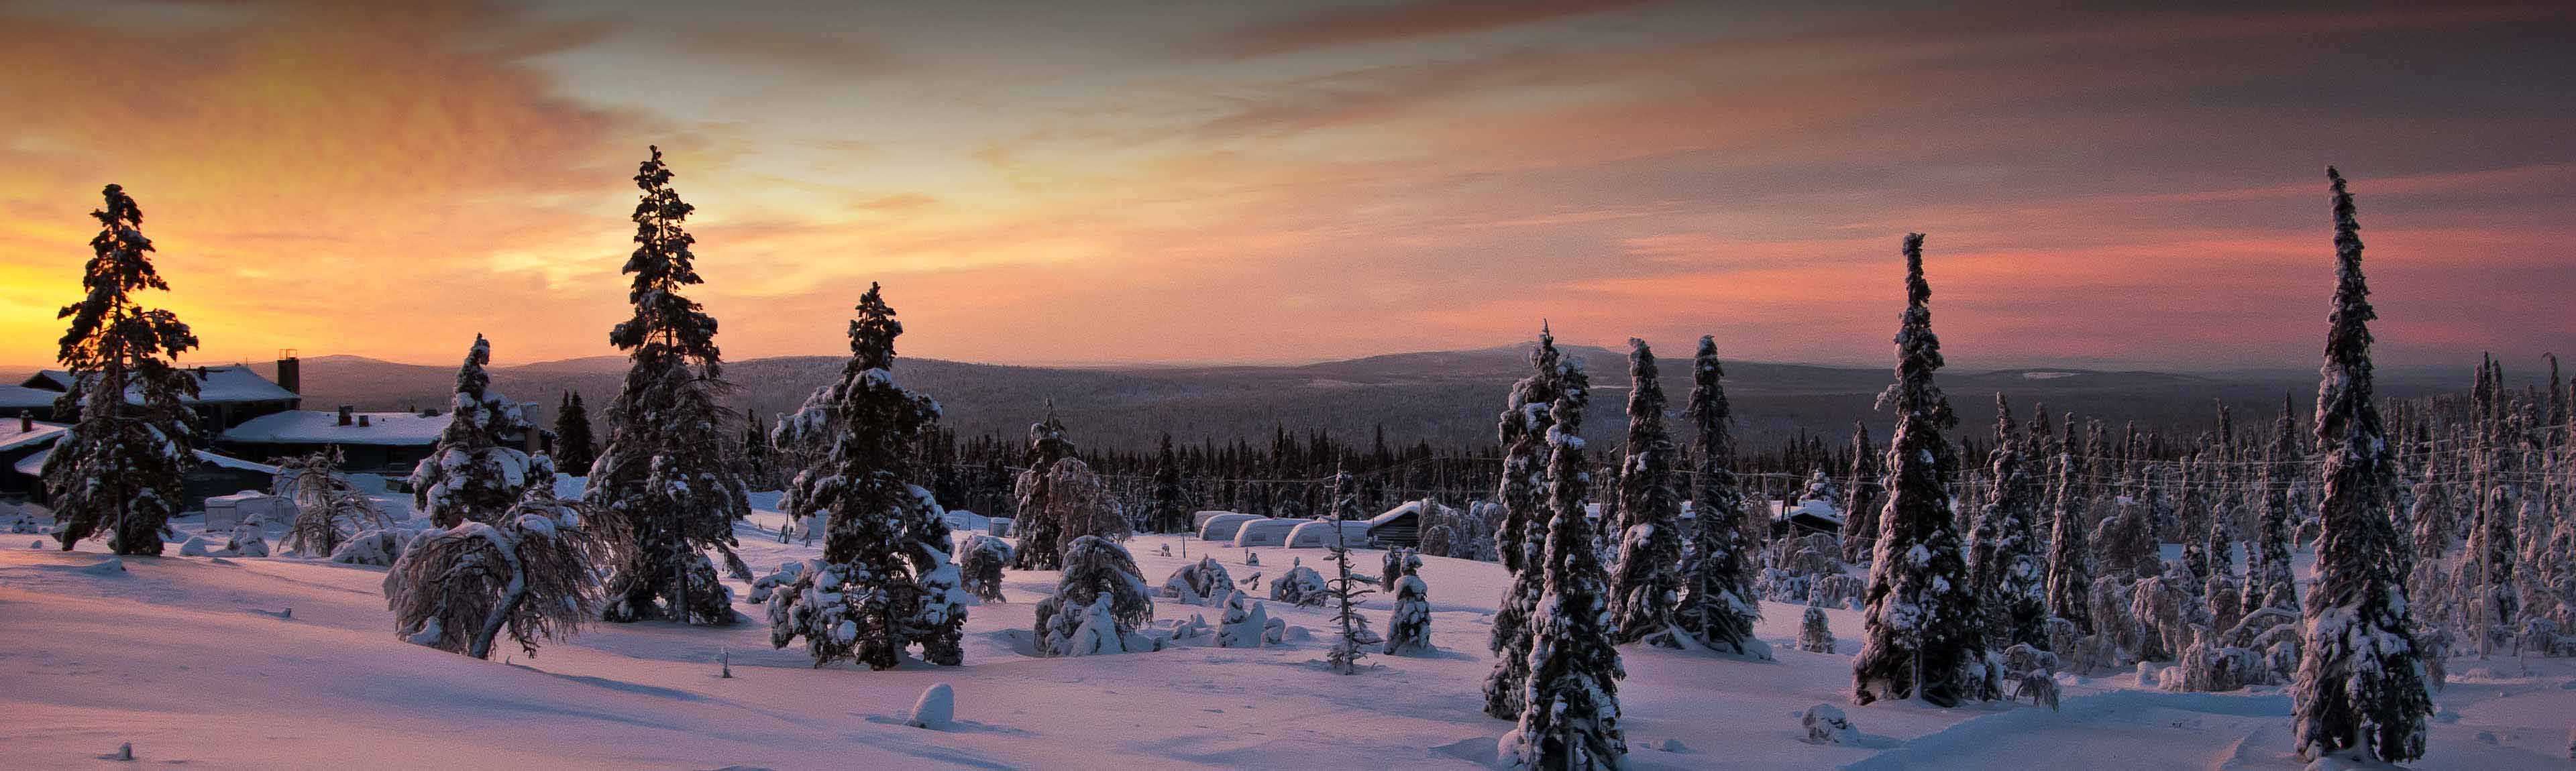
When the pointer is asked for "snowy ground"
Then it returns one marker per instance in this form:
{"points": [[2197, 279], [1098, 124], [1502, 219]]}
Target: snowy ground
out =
{"points": [[195, 661]]}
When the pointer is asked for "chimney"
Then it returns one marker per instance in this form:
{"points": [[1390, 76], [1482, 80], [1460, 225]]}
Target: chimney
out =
{"points": [[290, 371], [362, 421], [345, 411], [26, 422]]}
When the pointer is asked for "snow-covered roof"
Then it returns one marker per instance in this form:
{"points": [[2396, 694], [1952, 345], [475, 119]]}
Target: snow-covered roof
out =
{"points": [[1808, 509], [34, 464], [1318, 533], [1265, 532], [1223, 527], [228, 384], [11, 438], [322, 427], [1408, 508], [237, 464], [17, 397]]}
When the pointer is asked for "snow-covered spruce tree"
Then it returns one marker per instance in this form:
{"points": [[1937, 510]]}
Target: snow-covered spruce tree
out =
{"points": [[118, 467], [1715, 606], [2070, 571], [328, 509], [531, 572], [2360, 689], [575, 446], [1860, 511], [884, 582], [1646, 586], [663, 474], [1204, 582], [1100, 600], [1569, 716], [1041, 535], [1167, 514], [472, 474], [1351, 635], [2487, 566], [1814, 635], [1519, 537], [1920, 626], [2429, 586], [979, 560], [2222, 594], [1301, 585], [1408, 631], [2004, 565], [2268, 581]]}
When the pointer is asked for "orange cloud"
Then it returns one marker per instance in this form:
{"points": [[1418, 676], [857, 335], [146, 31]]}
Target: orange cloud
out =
{"points": [[1072, 185]]}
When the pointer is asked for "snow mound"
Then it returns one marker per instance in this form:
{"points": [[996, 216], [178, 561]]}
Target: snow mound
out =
{"points": [[935, 710], [1826, 724]]}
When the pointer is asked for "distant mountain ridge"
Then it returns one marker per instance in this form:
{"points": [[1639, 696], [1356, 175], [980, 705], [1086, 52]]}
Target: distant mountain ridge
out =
{"points": [[1446, 397]]}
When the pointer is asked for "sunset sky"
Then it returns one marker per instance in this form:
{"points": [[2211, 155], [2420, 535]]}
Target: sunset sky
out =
{"points": [[1072, 183]]}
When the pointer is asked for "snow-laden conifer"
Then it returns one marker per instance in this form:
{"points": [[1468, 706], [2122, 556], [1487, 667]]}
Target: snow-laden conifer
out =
{"points": [[2360, 688], [1408, 630], [885, 582], [2070, 570], [1569, 717], [1646, 586], [1520, 536], [979, 560], [1715, 606], [118, 467], [1060, 499], [2004, 561], [2268, 581], [1814, 635], [664, 474], [1098, 604], [474, 473], [1919, 629]]}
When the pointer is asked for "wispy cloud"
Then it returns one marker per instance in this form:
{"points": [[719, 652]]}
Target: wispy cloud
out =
{"points": [[1253, 182]]}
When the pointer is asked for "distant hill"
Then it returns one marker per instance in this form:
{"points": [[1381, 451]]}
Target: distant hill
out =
{"points": [[1446, 397]]}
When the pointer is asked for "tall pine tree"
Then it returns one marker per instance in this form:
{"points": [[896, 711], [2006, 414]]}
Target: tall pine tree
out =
{"points": [[2360, 688], [664, 473], [1646, 586], [1518, 538], [2070, 569], [1569, 717], [1920, 626], [118, 467], [1716, 608]]}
